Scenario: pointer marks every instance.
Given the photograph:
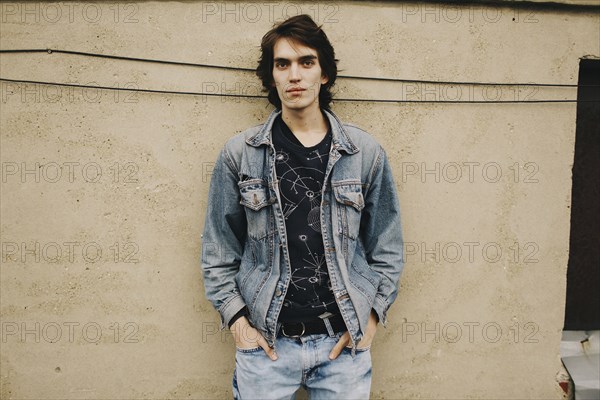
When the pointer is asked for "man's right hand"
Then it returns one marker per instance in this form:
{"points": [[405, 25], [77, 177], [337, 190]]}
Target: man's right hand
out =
{"points": [[248, 337]]}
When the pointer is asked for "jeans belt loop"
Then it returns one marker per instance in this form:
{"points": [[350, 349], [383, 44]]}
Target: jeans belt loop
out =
{"points": [[325, 317]]}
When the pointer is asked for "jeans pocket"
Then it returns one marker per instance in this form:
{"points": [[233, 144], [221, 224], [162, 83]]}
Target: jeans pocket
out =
{"points": [[249, 350], [358, 349]]}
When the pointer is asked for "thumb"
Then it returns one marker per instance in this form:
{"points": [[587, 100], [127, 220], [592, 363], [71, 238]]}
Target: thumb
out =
{"points": [[339, 346], [262, 342]]}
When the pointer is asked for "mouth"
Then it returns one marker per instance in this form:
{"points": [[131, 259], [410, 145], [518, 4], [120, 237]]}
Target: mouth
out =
{"points": [[295, 90]]}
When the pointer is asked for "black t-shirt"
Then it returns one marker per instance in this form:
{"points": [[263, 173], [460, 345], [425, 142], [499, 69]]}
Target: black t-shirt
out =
{"points": [[301, 171]]}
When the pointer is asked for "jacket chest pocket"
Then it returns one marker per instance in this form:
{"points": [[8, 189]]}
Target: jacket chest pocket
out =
{"points": [[350, 202], [254, 196]]}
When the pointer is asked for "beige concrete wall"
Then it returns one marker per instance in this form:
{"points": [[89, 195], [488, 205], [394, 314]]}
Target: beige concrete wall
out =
{"points": [[104, 192]]}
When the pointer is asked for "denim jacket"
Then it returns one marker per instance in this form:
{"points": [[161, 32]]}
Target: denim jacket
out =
{"points": [[245, 258]]}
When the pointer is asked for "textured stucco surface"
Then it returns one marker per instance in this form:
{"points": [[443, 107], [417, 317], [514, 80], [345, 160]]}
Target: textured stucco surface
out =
{"points": [[144, 329]]}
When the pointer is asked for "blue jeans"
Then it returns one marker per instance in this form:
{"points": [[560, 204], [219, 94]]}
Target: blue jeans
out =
{"points": [[302, 362]]}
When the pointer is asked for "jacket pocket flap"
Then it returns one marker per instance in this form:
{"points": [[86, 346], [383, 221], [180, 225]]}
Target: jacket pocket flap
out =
{"points": [[350, 194], [254, 194]]}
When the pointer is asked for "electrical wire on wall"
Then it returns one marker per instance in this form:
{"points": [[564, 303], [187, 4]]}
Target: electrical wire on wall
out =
{"points": [[381, 79]]}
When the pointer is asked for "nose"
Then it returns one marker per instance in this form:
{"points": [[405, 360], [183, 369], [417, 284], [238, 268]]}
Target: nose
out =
{"points": [[294, 72]]}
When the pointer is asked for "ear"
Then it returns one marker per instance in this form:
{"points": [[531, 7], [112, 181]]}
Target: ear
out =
{"points": [[324, 79]]}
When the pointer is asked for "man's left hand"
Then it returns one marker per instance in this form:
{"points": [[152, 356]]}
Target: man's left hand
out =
{"points": [[364, 342]]}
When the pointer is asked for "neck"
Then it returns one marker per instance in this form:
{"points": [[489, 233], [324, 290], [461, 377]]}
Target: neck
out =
{"points": [[306, 121]]}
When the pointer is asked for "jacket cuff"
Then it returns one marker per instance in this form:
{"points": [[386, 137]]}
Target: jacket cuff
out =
{"points": [[229, 309], [380, 306]]}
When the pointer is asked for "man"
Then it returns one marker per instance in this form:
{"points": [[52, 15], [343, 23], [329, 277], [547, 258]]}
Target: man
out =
{"points": [[302, 244]]}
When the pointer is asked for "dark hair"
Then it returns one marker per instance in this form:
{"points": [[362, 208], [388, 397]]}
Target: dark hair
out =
{"points": [[303, 29]]}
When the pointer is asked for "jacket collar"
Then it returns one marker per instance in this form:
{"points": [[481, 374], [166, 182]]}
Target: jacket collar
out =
{"points": [[340, 138]]}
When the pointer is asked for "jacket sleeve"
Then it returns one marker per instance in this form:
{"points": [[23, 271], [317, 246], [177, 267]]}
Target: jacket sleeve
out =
{"points": [[381, 233], [223, 239]]}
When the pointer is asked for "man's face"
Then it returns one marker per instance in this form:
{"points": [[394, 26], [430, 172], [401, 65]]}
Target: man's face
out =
{"points": [[297, 75]]}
